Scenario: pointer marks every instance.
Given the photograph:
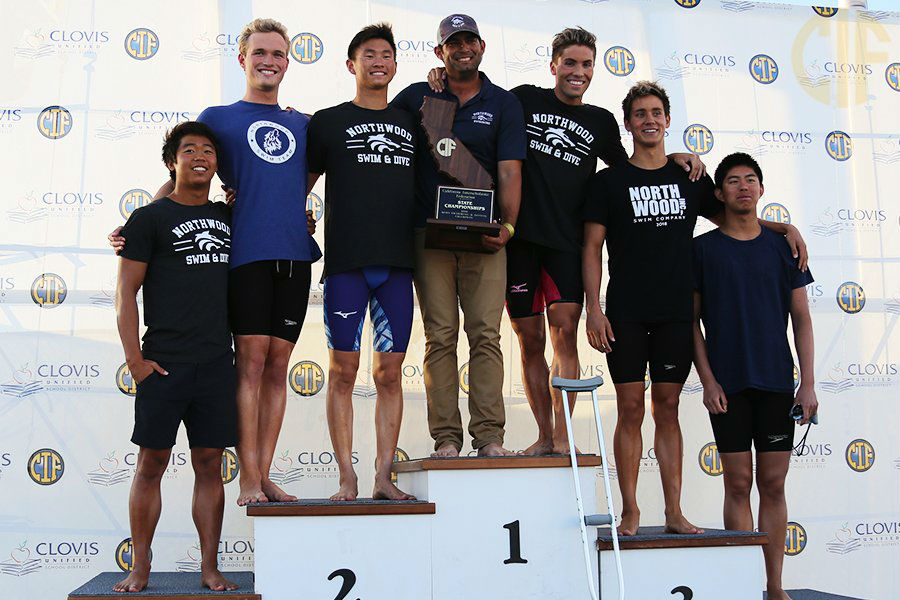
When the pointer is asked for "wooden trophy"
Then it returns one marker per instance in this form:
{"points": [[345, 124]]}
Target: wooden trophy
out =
{"points": [[462, 214]]}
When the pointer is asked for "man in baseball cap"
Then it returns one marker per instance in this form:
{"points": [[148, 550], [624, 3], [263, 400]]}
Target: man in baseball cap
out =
{"points": [[456, 24]]}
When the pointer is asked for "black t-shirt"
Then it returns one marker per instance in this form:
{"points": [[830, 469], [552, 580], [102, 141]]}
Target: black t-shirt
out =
{"points": [[564, 143], [186, 249], [369, 160], [649, 217], [746, 288]]}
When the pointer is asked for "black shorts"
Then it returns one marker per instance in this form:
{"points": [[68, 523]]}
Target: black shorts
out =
{"points": [[200, 394], [763, 417], [269, 297], [538, 276], [667, 347]]}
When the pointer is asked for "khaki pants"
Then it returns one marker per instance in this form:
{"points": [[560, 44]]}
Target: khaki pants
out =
{"points": [[446, 281]]}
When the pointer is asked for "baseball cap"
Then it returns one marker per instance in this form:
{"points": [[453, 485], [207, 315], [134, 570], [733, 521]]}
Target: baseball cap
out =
{"points": [[455, 24]]}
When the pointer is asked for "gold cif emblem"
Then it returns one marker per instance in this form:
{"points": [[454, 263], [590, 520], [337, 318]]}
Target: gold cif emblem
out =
{"points": [[825, 11], [306, 48], [400, 455], [315, 204], [698, 138], [775, 213], [48, 290], [794, 539], [860, 455], [619, 61], [687, 3], [763, 68], [892, 76], [230, 466], [307, 378], [839, 145], [46, 466], [709, 459], [124, 381], [141, 44], [125, 555], [445, 147], [54, 122], [851, 297], [464, 378], [132, 200]]}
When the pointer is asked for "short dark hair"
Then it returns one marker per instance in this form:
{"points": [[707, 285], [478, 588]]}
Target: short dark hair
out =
{"points": [[643, 89], [174, 136], [378, 31], [573, 36], [737, 159]]}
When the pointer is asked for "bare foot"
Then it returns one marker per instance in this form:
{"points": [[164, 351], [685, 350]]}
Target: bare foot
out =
{"points": [[447, 450], [385, 490], [494, 449], [251, 496], [348, 490], [275, 494], [563, 448], [630, 523], [776, 594], [681, 525], [539, 448], [215, 581], [135, 582]]}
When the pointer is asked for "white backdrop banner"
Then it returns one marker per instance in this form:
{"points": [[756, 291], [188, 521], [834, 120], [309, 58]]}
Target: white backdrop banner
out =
{"points": [[90, 88]]}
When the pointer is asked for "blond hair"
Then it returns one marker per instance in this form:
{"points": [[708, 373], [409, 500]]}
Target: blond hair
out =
{"points": [[261, 26]]}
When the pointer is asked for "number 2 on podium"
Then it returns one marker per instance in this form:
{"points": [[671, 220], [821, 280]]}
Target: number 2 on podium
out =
{"points": [[515, 548], [349, 580]]}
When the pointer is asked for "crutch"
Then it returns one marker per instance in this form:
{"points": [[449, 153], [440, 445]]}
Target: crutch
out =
{"points": [[591, 385]]}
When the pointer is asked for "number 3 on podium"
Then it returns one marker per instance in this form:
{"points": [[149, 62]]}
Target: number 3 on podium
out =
{"points": [[515, 548]]}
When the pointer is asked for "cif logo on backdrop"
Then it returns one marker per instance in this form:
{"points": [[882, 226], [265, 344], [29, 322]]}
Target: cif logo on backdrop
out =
{"points": [[132, 200], [141, 44], [825, 11], [763, 68], [860, 455], [306, 378], [230, 466], [46, 466], [687, 3], [54, 122], [619, 61], [851, 297], [892, 76], [794, 539], [838, 145], [400, 455], [463, 377], [49, 290], [124, 555], [306, 48], [315, 204], [710, 462], [698, 138], [124, 381], [776, 213]]}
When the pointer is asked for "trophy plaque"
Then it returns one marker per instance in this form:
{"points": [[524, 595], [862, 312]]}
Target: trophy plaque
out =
{"points": [[461, 214]]}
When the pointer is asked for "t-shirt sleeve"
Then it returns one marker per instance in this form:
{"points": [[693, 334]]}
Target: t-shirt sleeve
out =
{"points": [[140, 234], [511, 142], [315, 145], [403, 100], [709, 205], [612, 152], [596, 205]]}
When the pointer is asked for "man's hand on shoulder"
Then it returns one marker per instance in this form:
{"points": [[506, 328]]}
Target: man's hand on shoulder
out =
{"points": [[436, 78], [798, 247], [690, 163], [116, 241]]}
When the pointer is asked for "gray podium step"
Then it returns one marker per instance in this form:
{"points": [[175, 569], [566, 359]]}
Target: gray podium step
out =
{"points": [[814, 595], [656, 537], [165, 585]]}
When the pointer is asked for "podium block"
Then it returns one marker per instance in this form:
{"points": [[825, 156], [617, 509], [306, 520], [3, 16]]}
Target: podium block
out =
{"points": [[166, 586], [715, 564], [506, 527], [324, 550]]}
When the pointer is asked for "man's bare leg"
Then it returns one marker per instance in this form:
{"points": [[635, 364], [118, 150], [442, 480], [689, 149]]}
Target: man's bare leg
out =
{"points": [[250, 359], [272, 402], [669, 452], [771, 470], [144, 506], [207, 508], [388, 416], [535, 374], [563, 319], [737, 472], [339, 408], [627, 447]]}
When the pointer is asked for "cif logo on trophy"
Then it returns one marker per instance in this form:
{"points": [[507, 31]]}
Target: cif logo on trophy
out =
{"points": [[775, 212], [619, 61], [892, 76], [230, 466], [48, 290], [46, 466], [124, 381], [141, 44], [306, 378], [763, 69], [860, 455], [698, 138], [710, 463], [132, 200], [306, 48], [851, 297], [794, 539], [839, 146], [461, 214], [54, 122]]}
